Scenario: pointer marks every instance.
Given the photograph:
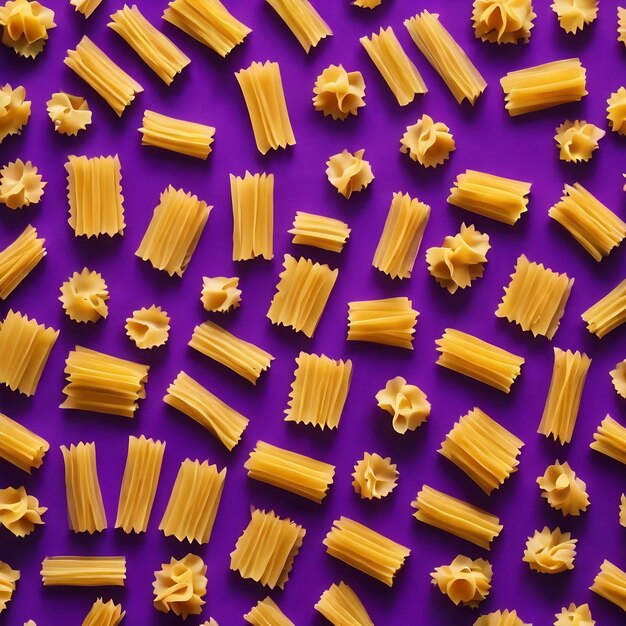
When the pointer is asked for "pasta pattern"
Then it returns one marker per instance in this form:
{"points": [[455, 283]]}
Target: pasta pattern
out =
{"points": [[577, 140], [464, 581], [574, 15], [427, 142], [349, 172], [86, 7], [8, 578], [180, 586], [14, 111], [610, 439], [25, 26], [339, 93], [303, 21], [374, 477], [621, 25], [407, 404], [618, 378], [20, 184], [340, 605], [148, 328], [610, 583], [20, 512], [563, 490], [319, 231], [220, 294], [104, 614], [503, 21], [616, 111], [500, 618], [574, 616], [20, 446], [83, 571], [550, 552], [608, 313], [19, 259], [84, 296], [267, 613]]}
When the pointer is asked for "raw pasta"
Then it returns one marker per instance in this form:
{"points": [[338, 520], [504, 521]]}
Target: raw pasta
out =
{"points": [[608, 313], [19, 259], [574, 15], [20, 446], [342, 607], [20, 512], [621, 25], [500, 618], [14, 111], [83, 571], [618, 378], [266, 613], [148, 328], [406, 403], [563, 490], [339, 93], [349, 172], [574, 616], [464, 581], [25, 26], [104, 614], [8, 578], [503, 21], [427, 142], [616, 111], [319, 231], [20, 185], [86, 7], [622, 510], [367, 4], [303, 21], [220, 294], [610, 439], [84, 296], [374, 477], [180, 586], [610, 583], [577, 140], [550, 551]]}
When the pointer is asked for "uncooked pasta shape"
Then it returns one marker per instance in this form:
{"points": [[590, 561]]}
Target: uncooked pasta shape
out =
{"points": [[342, 607], [262, 89], [180, 586], [610, 583], [86, 7], [18, 259], [220, 294], [20, 185], [148, 328], [550, 551], [500, 618], [374, 477], [397, 70], [610, 439], [104, 614], [574, 616], [460, 259], [25, 25], [14, 111], [622, 510], [83, 571], [319, 231], [616, 111], [267, 613], [69, 114], [536, 297], [84, 296], [577, 140], [20, 512], [606, 314], [574, 15], [174, 231], [349, 172], [20, 446], [427, 142], [303, 21], [8, 578], [448, 59], [367, 4], [407, 404], [503, 21], [621, 25], [464, 581], [194, 501], [339, 93], [402, 235], [210, 622], [544, 86], [456, 517], [25, 347], [563, 490], [266, 550], [618, 378], [103, 75]]}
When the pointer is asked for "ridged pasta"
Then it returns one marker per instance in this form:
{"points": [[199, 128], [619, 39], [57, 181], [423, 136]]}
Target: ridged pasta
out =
{"points": [[8, 578], [220, 294], [262, 89], [621, 25], [574, 15], [69, 114], [83, 571], [566, 388], [195, 498], [577, 140], [20, 446], [157, 51], [374, 477], [103, 383], [342, 607], [25, 347], [20, 185], [536, 297], [349, 172], [209, 22], [608, 313], [297, 473], [365, 550], [544, 86], [266, 550], [428, 142], [25, 26], [180, 586], [301, 294], [503, 21], [594, 226], [448, 59], [148, 328], [139, 483], [319, 231], [14, 111], [242, 357], [339, 93], [478, 359], [302, 20], [19, 259], [563, 490], [176, 135], [481, 447], [495, 197], [267, 613], [94, 192], [86, 7], [618, 378], [253, 216], [406, 403], [610, 439], [174, 231], [610, 583], [574, 616], [84, 296], [456, 517], [622, 510], [464, 581], [20, 512], [616, 111], [104, 614], [103, 75], [397, 70], [500, 618], [191, 398], [550, 551]]}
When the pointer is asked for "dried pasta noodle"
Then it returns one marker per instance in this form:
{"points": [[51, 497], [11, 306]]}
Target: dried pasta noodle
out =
{"points": [[220, 294], [428, 142], [14, 111], [610, 583], [503, 21], [83, 571], [339, 93], [20, 185], [68, 113], [608, 313], [500, 618], [86, 7], [610, 439], [574, 616], [550, 551], [563, 490], [319, 231], [577, 140], [148, 328], [84, 296], [374, 477], [618, 378], [622, 510], [20, 512], [19, 259], [267, 613], [104, 614], [8, 578], [302, 20], [340, 605], [25, 26], [367, 4], [406, 403], [180, 586], [349, 172], [464, 581], [616, 111], [574, 15], [20, 446], [621, 25]]}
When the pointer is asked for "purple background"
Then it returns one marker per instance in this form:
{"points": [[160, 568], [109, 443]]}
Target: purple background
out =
{"points": [[487, 139]]}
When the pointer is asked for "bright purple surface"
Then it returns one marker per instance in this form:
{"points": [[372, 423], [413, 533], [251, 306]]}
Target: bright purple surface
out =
{"points": [[487, 139]]}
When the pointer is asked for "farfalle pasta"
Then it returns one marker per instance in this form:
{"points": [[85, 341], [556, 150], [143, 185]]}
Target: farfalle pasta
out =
{"points": [[104, 614], [574, 15], [503, 21], [25, 26], [339, 93], [20, 446], [8, 578], [18, 259], [550, 551], [303, 21], [407, 404], [616, 111], [148, 328], [622, 510], [20, 512], [367, 4], [500, 618], [69, 114], [220, 294], [267, 613], [84, 296], [563, 490], [83, 571], [618, 378], [577, 140], [573, 615], [610, 583], [180, 586], [318, 231], [14, 111], [20, 185], [465, 581], [610, 439], [608, 313], [349, 172], [621, 25], [427, 142], [86, 7], [340, 605], [374, 477]]}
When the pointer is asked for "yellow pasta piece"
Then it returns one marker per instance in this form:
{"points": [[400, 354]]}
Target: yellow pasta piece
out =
{"points": [[8, 578], [389, 321], [103, 383], [610, 583], [397, 70], [478, 359], [262, 89], [574, 615], [158, 52], [367, 4], [610, 439], [503, 21], [574, 15], [86, 7], [566, 388], [301, 294], [104, 614], [456, 517], [104, 76], [365, 550], [84, 296], [20, 185], [594, 226], [266, 613], [198, 403], [342, 607], [622, 510], [406, 403], [25, 26], [428, 142], [253, 216], [544, 86], [319, 390], [577, 140], [481, 447], [401, 237], [19, 259], [148, 328], [297, 473], [374, 477], [139, 483], [220, 294], [14, 111], [621, 25], [25, 347], [266, 550], [181, 136], [209, 22], [500, 618], [608, 313], [536, 297], [68, 113], [83, 571], [180, 586], [339, 93], [302, 20], [174, 231], [319, 231], [20, 512], [464, 581], [446, 56], [563, 490], [94, 192], [242, 357], [618, 378], [193, 503], [616, 111], [349, 172], [20, 446]]}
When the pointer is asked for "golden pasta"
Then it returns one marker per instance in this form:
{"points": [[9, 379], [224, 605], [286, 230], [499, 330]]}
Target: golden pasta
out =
{"points": [[86, 7], [84, 296], [220, 294], [464, 581], [574, 615], [610, 583], [20, 185], [20, 446], [8, 578], [500, 618], [608, 313], [342, 607], [374, 477], [148, 328], [616, 111], [319, 231], [563, 490], [618, 378], [407, 404], [302, 20], [25, 26], [69, 114], [266, 613], [19, 259], [14, 111], [339, 93], [574, 15], [428, 142], [83, 571], [577, 140], [104, 614], [349, 172], [610, 439], [180, 586], [621, 25], [20, 512], [550, 551], [507, 21], [622, 510]]}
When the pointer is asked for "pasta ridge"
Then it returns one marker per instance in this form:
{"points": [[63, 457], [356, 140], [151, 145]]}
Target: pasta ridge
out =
{"points": [[407, 404], [20, 184], [267, 613], [20, 512], [83, 571], [20, 446], [610, 439], [340, 605], [14, 111], [18, 260], [303, 21], [464, 581], [319, 231]]}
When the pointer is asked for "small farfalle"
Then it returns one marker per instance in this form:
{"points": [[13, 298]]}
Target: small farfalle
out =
{"points": [[618, 377], [180, 586], [26, 24], [220, 294], [349, 172], [503, 21], [616, 111], [84, 296], [14, 111], [464, 581], [19, 512], [367, 4], [20, 185], [577, 140], [574, 15], [563, 490], [427, 142], [500, 618], [550, 552], [68, 113], [8, 578], [406, 403], [374, 476], [148, 328], [574, 616], [621, 25], [339, 93]]}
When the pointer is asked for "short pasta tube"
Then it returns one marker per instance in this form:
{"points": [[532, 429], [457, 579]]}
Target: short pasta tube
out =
{"points": [[340, 605], [267, 613], [19, 259], [610, 583], [83, 571], [303, 21], [610, 439], [319, 231], [20, 446], [608, 313]]}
